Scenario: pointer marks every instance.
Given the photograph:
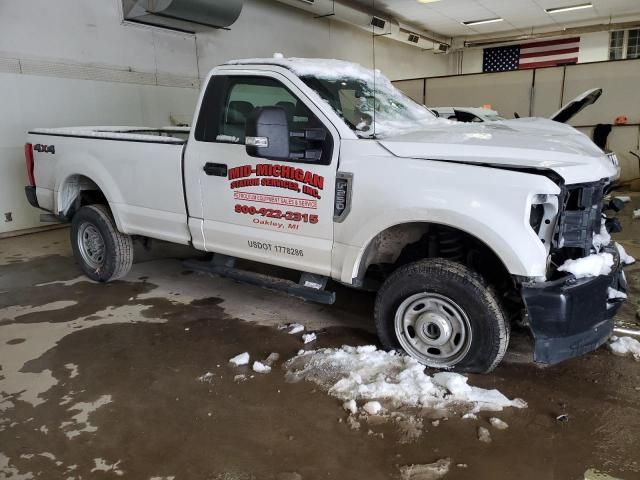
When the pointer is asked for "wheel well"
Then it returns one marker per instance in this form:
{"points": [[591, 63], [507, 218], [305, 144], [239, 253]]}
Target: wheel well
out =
{"points": [[78, 191], [409, 242]]}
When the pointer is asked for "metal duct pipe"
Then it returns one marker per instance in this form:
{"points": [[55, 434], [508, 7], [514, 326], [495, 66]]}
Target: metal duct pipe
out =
{"points": [[362, 19], [188, 15]]}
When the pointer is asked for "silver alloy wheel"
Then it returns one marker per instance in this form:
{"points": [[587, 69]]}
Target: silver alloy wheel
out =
{"points": [[91, 245], [433, 329]]}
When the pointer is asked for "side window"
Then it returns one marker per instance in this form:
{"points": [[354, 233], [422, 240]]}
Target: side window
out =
{"points": [[466, 116], [228, 102]]}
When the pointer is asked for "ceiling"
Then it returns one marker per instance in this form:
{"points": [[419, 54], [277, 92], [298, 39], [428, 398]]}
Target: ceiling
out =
{"points": [[520, 16]]}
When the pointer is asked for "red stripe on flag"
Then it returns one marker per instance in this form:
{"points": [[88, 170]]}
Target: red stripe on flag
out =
{"points": [[548, 63], [548, 43], [550, 52]]}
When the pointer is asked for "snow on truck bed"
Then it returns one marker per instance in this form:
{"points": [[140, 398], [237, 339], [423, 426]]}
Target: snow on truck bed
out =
{"points": [[134, 134]]}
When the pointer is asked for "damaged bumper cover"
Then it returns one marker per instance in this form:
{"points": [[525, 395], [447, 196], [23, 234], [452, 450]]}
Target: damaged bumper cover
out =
{"points": [[570, 317]]}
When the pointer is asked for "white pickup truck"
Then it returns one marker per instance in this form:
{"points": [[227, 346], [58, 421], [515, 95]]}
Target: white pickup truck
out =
{"points": [[323, 167]]}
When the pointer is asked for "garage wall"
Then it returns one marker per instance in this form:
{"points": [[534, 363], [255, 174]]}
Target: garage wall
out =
{"points": [[74, 62], [541, 93], [267, 26], [594, 47]]}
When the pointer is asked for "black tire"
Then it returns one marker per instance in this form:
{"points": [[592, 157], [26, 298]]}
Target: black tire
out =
{"points": [[111, 262], [481, 310]]}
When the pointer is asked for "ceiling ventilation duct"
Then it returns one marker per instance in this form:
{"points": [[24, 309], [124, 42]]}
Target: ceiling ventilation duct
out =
{"points": [[370, 21], [184, 15]]}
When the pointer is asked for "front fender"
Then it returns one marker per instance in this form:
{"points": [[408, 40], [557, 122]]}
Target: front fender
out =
{"points": [[491, 204], [521, 251]]}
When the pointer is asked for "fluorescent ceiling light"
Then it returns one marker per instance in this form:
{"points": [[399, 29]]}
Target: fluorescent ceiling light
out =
{"points": [[480, 22], [427, 1], [569, 8]]}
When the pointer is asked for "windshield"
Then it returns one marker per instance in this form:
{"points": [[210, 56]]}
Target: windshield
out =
{"points": [[357, 102]]}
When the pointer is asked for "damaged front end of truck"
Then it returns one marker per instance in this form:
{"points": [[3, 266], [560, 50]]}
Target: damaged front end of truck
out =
{"points": [[571, 314]]}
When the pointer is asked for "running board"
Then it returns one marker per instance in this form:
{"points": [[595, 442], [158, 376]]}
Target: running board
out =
{"points": [[310, 288]]}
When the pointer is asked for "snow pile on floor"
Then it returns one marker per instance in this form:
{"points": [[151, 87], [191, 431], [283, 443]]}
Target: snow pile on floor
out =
{"points": [[625, 258], [366, 374], [309, 337], [260, 367], [625, 346], [372, 408], [206, 378], [295, 328], [484, 435], [238, 360], [272, 358], [498, 423], [591, 266], [431, 471]]}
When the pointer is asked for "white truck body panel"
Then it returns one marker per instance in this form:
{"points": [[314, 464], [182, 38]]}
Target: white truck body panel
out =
{"points": [[414, 190], [538, 143], [257, 239], [142, 180]]}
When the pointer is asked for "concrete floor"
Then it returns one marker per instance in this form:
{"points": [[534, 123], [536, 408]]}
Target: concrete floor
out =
{"points": [[100, 381]]}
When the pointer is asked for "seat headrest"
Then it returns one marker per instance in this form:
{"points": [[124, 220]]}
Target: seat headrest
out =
{"points": [[289, 107], [238, 111]]}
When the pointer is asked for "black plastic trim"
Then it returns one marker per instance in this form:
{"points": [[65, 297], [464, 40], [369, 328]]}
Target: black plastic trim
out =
{"points": [[30, 192], [264, 281], [570, 317]]}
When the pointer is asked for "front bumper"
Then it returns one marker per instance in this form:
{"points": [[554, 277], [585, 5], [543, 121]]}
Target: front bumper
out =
{"points": [[570, 317]]}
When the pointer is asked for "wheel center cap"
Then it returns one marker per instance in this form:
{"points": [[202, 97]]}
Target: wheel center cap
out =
{"points": [[433, 328]]}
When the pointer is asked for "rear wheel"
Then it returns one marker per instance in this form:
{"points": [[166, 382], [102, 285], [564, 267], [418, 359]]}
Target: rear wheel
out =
{"points": [[444, 315], [104, 254]]}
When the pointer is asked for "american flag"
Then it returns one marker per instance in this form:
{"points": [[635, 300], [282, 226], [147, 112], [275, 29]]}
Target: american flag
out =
{"points": [[547, 53]]}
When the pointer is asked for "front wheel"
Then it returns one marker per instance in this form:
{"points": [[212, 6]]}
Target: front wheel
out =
{"points": [[444, 315], [104, 254]]}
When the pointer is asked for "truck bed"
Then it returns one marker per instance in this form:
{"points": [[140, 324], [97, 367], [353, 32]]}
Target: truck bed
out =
{"points": [[138, 169], [132, 134]]}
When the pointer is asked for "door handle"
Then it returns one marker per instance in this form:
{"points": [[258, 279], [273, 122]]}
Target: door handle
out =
{"points": [[217, 169]]}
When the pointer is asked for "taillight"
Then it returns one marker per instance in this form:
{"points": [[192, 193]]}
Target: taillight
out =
{"points": [[28, 157]]}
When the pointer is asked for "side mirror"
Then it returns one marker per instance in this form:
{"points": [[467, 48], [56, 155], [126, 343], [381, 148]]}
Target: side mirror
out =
{"points": [[267, 133]]}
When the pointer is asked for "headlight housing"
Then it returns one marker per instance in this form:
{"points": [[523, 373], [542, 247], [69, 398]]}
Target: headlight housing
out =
{"points": [[543, 215]]}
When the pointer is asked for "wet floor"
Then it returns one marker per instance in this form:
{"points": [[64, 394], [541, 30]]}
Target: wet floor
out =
{"points": [[132, 380]]}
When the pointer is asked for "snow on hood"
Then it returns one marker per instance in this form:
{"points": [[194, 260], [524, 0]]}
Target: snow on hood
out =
{"points": [[388, 120], [364, 374], [534, 143], [625, 346]]}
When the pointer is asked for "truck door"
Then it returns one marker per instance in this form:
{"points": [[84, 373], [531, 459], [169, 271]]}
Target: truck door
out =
{"points": [[277, 212]]}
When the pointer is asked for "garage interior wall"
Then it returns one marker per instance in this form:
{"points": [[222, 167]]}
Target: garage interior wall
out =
{"points": [[541, 92], [73, 62], [594, 47], [267, 26]]}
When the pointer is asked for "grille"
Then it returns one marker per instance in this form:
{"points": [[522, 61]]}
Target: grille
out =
{"points": [[580, 217]]}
